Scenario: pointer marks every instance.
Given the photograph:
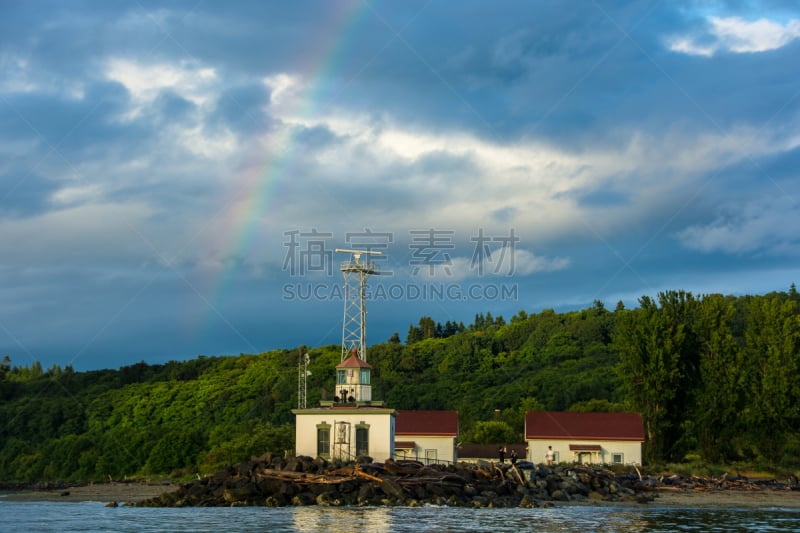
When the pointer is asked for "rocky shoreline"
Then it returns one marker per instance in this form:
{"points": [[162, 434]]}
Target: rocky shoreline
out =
{"points": [[273, 481], [276, 482]]}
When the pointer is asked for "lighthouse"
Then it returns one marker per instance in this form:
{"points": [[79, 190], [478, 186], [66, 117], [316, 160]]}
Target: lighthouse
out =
{"points": [[352, 424], [353, 381]]}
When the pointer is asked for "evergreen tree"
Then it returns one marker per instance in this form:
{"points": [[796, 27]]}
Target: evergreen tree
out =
{"points": [[655, 348]]}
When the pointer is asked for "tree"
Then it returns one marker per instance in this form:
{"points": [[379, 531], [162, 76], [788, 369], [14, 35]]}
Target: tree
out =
{"points": [[5, 367], [773, 348], [721, 392], [414, 335], [655, 351], [491, 432]]}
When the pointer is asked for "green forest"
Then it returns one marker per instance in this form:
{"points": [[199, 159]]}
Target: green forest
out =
{"points": [[715, 377]]}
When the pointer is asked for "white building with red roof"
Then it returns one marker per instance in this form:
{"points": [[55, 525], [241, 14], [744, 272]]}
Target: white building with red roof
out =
{"points": [[596, 438], [427, 436]]}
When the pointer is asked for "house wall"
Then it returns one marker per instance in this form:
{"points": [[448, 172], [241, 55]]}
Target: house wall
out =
{"points": [[444, 448], [381, 431], [631, 450]]}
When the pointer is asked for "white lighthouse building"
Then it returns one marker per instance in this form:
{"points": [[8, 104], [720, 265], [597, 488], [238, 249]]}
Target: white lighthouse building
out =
{"points": [[353, 424]]}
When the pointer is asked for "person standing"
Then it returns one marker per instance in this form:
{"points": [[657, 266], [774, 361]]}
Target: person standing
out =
{"points": [[502, 453], [513, 456], [550, 456]]}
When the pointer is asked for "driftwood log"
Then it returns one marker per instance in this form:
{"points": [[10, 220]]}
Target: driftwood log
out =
{"points": [[273, 481]]}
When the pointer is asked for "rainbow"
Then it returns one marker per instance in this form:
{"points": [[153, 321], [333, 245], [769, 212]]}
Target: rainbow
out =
{"points": [[242, 224]]}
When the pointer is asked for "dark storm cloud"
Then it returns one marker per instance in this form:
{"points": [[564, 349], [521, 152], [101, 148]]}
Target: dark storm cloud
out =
{"points": [[134, 137]]}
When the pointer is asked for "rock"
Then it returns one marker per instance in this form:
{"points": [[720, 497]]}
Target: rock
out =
{"points": [[304, 498], [329, 498], [528, 502], [239, 493], [391, 488], [276, 482], [480, 501], [276, 500]]}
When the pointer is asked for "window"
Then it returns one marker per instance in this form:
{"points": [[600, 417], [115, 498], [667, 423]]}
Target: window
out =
{"points": [[323, 440], [341, 377], [556, 458], [362, 439], [365, 376], [617, 458]]}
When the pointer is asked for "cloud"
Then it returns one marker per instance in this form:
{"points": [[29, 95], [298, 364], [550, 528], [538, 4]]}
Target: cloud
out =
{"points": [[242, 109], [734, 34], [766, 226], [154, 145], [146, 81], [528, 263], [491, 264]]}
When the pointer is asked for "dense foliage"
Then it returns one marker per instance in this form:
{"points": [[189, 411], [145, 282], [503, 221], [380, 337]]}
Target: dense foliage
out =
{"points": [[716, 376]]}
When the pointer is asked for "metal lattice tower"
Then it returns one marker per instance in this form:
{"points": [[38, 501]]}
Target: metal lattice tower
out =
{"points": [[354, 323], [302, 380]]}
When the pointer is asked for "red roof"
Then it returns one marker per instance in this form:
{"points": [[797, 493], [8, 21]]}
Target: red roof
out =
{"points": [[597, 426], [435, 423], [353, 362]]}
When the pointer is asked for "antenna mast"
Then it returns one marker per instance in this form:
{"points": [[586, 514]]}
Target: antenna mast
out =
{"points": [[302, 380], [354, 323]]}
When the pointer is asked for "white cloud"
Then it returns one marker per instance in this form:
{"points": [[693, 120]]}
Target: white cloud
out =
{"points": [[535, 184], [146, 81], [734, 34], [500, 263], [765, 226], [526, 262], [76, 195]]}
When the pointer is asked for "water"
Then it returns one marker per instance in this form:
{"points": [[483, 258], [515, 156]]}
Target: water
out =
{"points": [[93, 516]]}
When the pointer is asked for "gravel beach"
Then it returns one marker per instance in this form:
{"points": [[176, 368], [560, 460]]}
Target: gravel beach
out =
{"points": [[97, 492]]}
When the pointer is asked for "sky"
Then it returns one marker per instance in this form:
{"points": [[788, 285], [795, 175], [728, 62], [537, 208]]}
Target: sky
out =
{"points": [[176, 177]]}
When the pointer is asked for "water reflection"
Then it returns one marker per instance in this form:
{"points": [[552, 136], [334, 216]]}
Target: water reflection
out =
{"points": [[23, 517], [313, 519]]}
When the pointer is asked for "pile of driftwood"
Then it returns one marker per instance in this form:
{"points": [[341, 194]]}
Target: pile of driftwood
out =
{"points": [[276, 482], [724, 482]]}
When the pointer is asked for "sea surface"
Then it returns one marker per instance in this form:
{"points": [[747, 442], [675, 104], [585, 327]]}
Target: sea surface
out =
{"points": [[94, 516]]}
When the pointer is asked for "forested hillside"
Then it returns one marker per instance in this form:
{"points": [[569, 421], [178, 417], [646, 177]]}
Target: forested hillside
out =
{"points": [[714, 375]]}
